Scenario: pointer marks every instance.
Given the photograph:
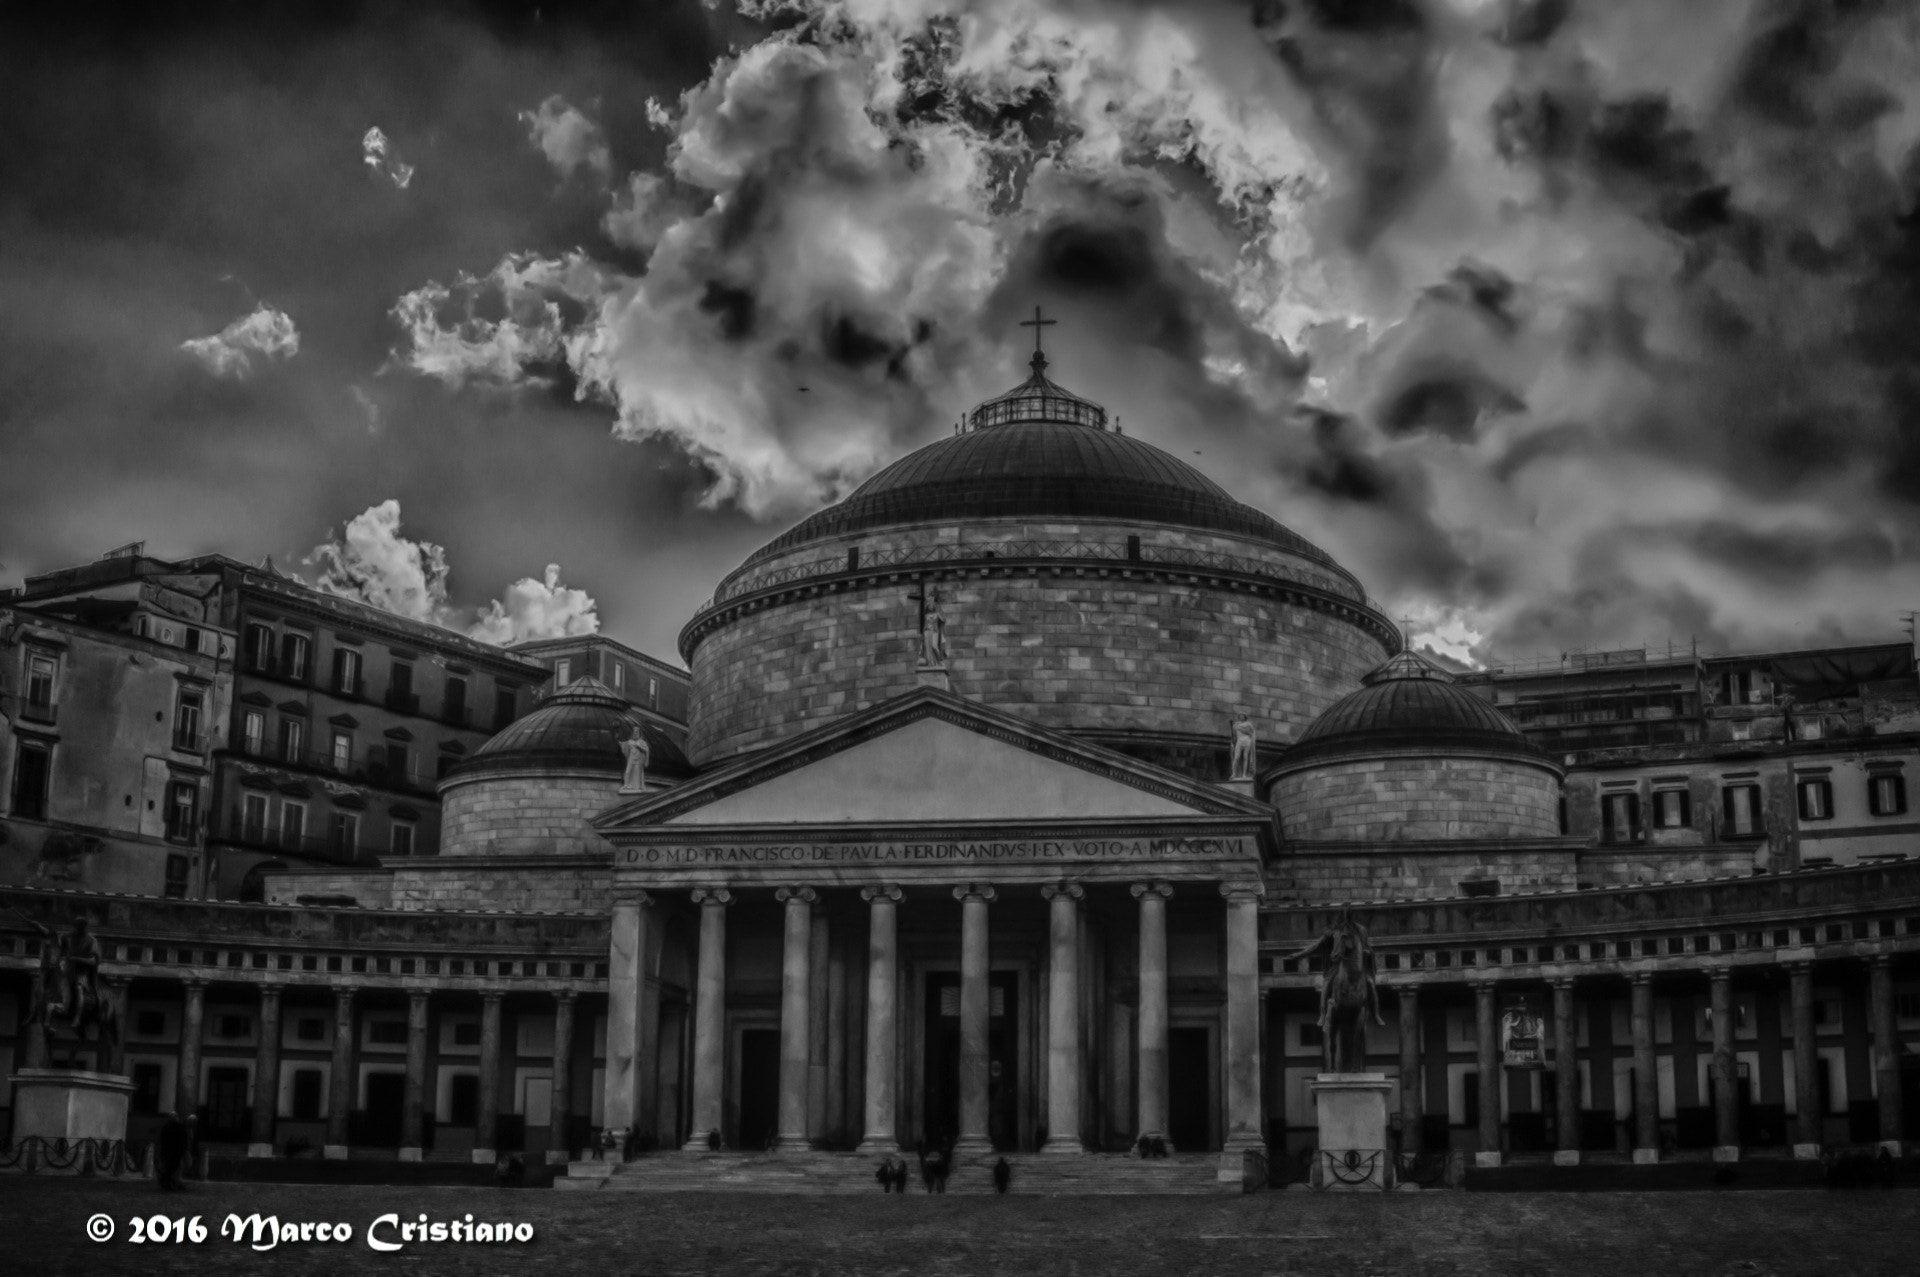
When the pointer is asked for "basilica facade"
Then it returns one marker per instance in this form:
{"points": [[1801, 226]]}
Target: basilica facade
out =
{"points": [[1008, 787]]}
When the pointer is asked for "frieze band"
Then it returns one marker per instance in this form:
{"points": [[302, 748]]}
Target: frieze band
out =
{"points": [[962, 852]]}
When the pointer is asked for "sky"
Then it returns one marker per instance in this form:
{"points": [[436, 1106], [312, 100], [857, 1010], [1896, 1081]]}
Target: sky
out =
{"points": [[1563, 323]]}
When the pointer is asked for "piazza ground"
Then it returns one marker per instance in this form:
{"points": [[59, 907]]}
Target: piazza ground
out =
{"points": [[1726, 1234]]}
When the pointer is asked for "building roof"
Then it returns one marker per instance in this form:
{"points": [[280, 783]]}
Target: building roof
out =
{"points": [[1040, 451], [1409, 702], [579, 727]]}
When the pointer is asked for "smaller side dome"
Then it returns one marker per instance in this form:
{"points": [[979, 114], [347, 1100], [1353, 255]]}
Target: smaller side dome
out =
{"points": [[578, 728], [1409, 702]]}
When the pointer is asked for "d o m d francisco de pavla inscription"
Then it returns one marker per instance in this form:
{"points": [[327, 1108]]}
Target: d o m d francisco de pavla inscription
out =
{"points": [[944, 852]]}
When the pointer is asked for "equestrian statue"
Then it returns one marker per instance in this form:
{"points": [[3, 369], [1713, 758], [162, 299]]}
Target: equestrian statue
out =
{"points": [[67, 995], [1347, 993]]}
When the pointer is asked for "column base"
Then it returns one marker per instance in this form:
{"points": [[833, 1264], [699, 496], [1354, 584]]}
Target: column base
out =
{"points": [[1487, 1158], [1895, 1147], [1646, 1156], [1064, 1146], [484, 1157], [410, 1154], [791, 1144], [1806, 1152], [259, 1150], [876, 1147], [698, 1143], [334, 1153], [1726, 1152], [972, 1146], [1566, 1157]]}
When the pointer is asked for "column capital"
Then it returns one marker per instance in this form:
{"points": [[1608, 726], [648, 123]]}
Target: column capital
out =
{"points": [[1561, 982], [1799, 969], [975, 891], [565, 995], [1069, 890], [640, 898], [711, 896], [882, 891], [272, 988], [344, 992], [1880, 961], [1236, 892], [418, 997], [1141, 890], [492, 995], [1482, 984], [792, 895], [195, 982], [1719, 974], [1640, 977]]}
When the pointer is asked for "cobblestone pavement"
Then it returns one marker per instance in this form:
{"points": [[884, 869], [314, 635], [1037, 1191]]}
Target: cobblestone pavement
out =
{"points": [[43, 1227]]}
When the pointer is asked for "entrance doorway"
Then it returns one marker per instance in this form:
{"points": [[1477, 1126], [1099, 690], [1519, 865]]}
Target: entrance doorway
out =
{"points": [[759, 1088], [942, 1097], [226, 1103], [1190, 1097], [386, 1107]]}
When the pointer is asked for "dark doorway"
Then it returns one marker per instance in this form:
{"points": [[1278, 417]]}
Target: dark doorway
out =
{"points": [[1189, 1098], [943, 1059], [226, 1104], [759, 1087], [386, 1108], [463, 1100]]}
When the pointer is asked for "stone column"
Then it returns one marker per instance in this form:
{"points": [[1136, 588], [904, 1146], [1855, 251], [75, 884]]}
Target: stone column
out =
{"points": [[834, 1124], [1243, 1024], [819, 957], [486, 1125], [1487, 1077], [559, 1142], [709, 1016], [975, 1004], [1646, 1078], [1412, 1111], [1153, 1008], [1063, 1018], [796, 1020], [266, 1073], [1566, 1067], [340, 1092], [192, 1028], [113, 1055], [628, 1082], [1806, 1062], [881, 1126], [410, 1119], [1886, 1051], [1726, 1081]]}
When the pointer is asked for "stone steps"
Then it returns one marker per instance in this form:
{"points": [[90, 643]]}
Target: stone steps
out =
{"points": [[847, 1174]]}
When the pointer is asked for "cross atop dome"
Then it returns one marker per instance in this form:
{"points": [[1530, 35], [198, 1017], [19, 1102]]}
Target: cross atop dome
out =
{"points": [[1039, 360]]}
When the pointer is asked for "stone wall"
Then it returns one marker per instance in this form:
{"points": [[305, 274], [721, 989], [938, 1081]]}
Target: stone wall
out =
{"points": [[1646, 866], [570, 888], [366, 888], [1064, 646], [1416, 798], [1313, 877], [525, 815]]}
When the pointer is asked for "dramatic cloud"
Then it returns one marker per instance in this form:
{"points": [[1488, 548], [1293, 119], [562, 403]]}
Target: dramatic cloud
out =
{"points": [[378, 154], [233, 351], [539, 305], [374, 563], [568, 139]]}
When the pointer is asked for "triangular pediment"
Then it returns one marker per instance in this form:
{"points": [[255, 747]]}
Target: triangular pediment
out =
{"points": [[930, 757]]}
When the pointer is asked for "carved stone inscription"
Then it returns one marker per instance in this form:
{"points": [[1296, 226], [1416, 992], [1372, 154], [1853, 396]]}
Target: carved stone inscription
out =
{"points": [[932, 853]]}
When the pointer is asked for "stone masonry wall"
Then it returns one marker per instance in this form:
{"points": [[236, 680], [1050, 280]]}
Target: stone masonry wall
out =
{"points": [[572, 889], [1069, 649], [1415, 799], [528, 815], [1388, 875]]}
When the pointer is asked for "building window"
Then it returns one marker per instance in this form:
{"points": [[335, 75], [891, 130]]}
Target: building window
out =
{"points": [[190, 639], [400, 688], [187, 716], [447, 763], [293, 734], [32, 770], [463, 1099], [260, 649], [619, 675], [41, 672], [310, 1028], [1887, 794], [179, 868], [346, 831], [1740, 808], [253, 818], [342, 751], [147, 1077], [183, 810], [1619, 817], [1816, 800], [402, 841], [466, 1033], [253, 735], [653, 691], [562, 672], [397, 761], [346, 672], [386, 1033], [293, 824], [503, 706], [1672, 809], [306, 1095], [456, 707], [294, 653]]}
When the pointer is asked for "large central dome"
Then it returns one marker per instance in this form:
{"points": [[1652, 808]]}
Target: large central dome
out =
{"points": [[1042, 451], [1087, 580]]}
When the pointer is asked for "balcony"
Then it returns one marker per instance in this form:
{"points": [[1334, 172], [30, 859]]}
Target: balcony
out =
{"points": [[360, 768], [40, 712], [189, 742], [403, 702], [234, 829]]}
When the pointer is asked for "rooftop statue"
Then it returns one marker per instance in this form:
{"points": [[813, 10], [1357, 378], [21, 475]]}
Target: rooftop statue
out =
{"points": [[638, 754], [1243, 743]]}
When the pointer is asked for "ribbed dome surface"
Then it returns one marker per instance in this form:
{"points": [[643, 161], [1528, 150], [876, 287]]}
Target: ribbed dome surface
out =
{"points": [[1042, 452], [1408, 701], [578, 727]]}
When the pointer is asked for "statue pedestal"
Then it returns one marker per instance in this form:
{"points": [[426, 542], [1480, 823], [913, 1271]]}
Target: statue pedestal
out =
{"points": [[934, 676], [1354, 1154], [76, 1120]]}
